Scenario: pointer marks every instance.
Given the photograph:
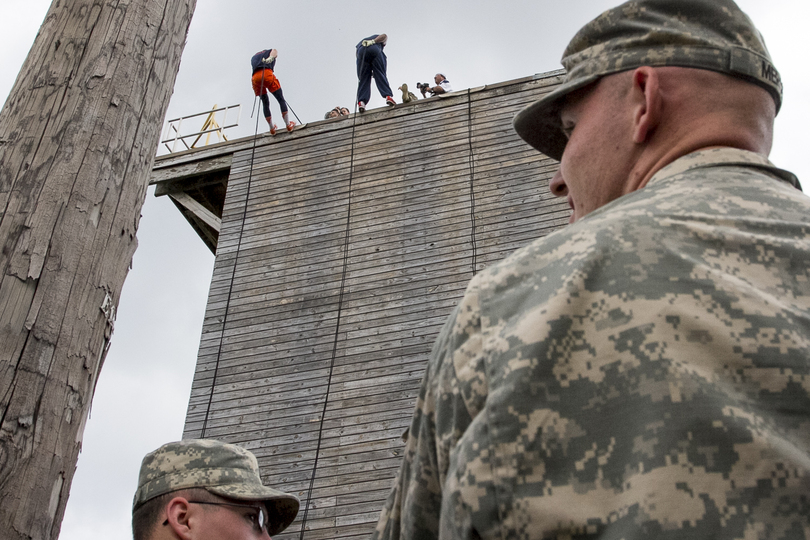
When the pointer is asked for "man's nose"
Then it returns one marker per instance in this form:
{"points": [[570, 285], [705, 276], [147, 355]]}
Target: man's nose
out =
{"points": [[557, 185]]}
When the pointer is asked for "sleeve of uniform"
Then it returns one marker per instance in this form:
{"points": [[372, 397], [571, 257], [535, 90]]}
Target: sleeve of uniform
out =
{"points": [[452, 393]]}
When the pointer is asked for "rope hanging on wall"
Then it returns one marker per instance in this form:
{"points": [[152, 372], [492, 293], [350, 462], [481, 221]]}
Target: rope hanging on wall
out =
{"points": [[342, 283], [337, 327], [339, 310], [233, 275], [472, 178]]}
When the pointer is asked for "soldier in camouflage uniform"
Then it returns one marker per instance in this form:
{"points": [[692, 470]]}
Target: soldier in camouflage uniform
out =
{"points": [[645, 372], [206, 489]]}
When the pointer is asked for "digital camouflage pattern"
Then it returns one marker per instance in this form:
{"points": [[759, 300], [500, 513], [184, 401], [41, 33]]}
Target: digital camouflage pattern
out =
{"points": [[642, 373], [706, 34], [223, 469]]}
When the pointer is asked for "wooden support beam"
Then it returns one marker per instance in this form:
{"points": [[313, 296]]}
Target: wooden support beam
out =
{"points": [[201, 212]]}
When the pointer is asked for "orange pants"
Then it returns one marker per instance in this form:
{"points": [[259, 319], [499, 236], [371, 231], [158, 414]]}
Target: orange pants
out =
{"points": [[264, 80]]}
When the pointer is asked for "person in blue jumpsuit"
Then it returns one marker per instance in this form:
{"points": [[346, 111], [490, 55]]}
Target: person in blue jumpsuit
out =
{"points": [[371, 62]]}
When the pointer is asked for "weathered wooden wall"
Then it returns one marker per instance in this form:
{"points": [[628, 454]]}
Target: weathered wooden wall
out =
{"points": [[272, 314]]}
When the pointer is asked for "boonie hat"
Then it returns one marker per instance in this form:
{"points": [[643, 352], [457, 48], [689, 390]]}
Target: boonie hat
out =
{"points": [[706, 34], [223, 469]]}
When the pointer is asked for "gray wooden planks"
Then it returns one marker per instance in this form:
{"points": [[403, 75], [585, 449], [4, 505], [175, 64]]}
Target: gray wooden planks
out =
{"points": [[272, 317]]}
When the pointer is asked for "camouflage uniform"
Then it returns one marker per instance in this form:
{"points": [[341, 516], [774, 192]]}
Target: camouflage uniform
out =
{"points": [[642, 373]]}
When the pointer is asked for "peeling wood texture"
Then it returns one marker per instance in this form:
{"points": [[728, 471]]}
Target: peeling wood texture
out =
{"points": [[272, 312], [77, 142]]}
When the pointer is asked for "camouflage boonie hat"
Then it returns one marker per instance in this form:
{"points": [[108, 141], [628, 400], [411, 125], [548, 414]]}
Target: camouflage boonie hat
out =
{"points": [[223, 469], [706, 34]]}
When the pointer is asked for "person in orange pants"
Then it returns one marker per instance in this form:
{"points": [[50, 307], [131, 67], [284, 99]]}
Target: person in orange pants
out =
{"points": [[264, 81]]}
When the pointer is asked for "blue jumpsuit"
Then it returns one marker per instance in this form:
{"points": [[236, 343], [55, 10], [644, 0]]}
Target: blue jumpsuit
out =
{"points": [[371, 62]]}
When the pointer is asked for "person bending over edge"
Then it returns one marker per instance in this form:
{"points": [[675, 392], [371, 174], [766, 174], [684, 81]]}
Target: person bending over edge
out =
{"points": [[264, 81], [372, 62]]}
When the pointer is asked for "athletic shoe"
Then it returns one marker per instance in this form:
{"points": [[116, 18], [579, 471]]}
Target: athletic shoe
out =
{"points": [[390, 101], [361, 106], [273, 129], [290, 125]]}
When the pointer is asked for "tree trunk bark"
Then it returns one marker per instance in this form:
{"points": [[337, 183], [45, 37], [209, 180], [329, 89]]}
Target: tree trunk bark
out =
{"points": [[78, 135]]}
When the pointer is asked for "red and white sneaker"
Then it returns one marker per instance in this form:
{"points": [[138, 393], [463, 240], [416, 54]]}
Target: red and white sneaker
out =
{"points": [[390, 101], [290, 125], [273, 129], [361, 106]]}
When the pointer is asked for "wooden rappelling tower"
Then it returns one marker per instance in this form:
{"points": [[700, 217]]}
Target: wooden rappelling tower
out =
{"points": [[340, 250]]}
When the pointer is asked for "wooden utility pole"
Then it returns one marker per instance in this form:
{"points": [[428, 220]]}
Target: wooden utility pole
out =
{"points": [[78, 135]]}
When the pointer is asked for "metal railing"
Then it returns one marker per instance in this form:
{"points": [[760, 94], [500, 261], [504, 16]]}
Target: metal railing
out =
{"points": [[173, 132]]}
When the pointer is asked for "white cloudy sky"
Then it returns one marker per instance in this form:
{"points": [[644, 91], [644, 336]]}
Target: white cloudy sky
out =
{"points": [[143, 389]]}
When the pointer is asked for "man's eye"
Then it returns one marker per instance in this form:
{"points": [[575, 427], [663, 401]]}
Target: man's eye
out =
{"points": [[258, 519], [567, 130]]}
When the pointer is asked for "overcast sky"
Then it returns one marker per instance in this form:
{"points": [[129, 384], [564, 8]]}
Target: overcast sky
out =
{"points": [[143, 390]]}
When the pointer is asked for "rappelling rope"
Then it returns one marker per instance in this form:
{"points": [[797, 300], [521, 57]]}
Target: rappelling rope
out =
{"points": [[292, 111], [337, 325], [233, 274], [472, 178]]}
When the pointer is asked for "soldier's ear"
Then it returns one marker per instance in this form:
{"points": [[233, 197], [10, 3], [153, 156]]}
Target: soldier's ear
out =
{"points": [[645, 95], [178, 516]]}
